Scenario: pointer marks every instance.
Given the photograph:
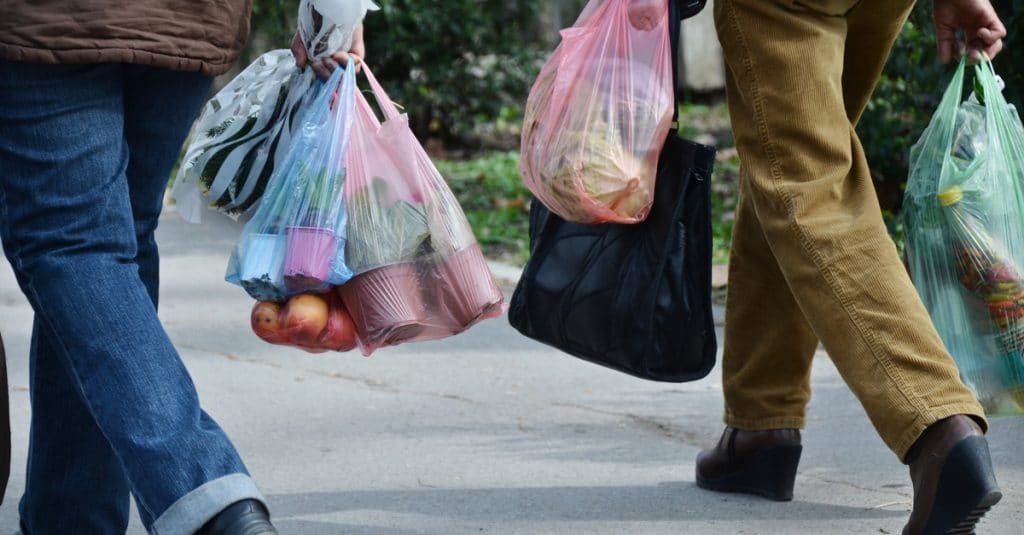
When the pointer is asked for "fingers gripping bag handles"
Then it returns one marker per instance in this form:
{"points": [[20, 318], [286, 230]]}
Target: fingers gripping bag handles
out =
{"points": [[599, 112], [419, 271], [964, 211], [295, 241], [327, 26]]}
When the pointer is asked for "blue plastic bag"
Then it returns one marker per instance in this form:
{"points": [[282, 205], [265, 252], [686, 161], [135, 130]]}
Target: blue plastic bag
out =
{"points": [[295, 241]]}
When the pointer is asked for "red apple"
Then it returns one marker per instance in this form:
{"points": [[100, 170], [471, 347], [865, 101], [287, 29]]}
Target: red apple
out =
{"points": [[265, 321], [340, 334], [303, 319]]}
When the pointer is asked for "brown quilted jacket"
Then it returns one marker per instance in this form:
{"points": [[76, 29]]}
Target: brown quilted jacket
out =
{"points": [[187, 35]]}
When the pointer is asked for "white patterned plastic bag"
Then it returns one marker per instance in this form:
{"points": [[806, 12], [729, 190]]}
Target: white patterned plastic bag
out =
{"points": [[243, 130]]}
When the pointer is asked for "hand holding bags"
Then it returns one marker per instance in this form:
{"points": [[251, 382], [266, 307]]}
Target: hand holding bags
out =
{"points": [[327, 26]]}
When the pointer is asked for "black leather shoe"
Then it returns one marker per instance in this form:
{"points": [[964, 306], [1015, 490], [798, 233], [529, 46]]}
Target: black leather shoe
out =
{"points": [[953, 481], [247, 517], [752, 462]]}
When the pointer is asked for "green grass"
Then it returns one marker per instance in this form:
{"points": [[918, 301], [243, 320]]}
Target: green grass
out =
{"points": [[709, 124], [724, 188]]}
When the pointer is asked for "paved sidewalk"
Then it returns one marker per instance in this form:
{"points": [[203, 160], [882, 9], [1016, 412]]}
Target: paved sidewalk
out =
{"points": [[489, 432]]}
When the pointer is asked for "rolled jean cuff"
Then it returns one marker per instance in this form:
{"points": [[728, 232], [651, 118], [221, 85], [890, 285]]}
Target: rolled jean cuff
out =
{"points": [[191, 511]]}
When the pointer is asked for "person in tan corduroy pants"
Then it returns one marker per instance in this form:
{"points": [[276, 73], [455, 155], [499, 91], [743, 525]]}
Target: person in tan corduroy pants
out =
{"points": [[811, 259]]}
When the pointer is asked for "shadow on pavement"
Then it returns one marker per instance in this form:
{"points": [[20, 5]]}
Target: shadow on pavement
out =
{"points": [[670, 501]]}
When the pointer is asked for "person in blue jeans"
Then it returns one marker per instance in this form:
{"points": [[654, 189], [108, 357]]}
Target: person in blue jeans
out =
{"points": [[96, 100], [95, 103]]}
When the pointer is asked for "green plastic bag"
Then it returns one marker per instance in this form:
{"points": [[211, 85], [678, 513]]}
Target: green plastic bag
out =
{"points": [[964, 214]]}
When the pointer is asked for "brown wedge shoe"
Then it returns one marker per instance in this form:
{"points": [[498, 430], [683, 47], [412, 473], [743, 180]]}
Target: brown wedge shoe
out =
{"points": [[954, 485], [752, 462]]}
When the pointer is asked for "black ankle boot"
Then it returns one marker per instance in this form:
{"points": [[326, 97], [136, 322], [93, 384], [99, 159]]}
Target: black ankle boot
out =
{"points": [[247, 517], [752, 462], [954, 485]]}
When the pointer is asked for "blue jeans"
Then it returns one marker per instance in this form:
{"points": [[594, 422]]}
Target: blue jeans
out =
{"points": [[85, 153]]}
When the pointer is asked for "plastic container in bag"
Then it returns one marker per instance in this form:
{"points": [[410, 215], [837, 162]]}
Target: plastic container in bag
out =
{"points": [[419, 273], [295, 241]]}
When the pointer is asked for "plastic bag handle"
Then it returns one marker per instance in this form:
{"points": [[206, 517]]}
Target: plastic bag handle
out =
{"points": [[674, 29], [995, 102], [951, 100], [383, 100], [1005, 130]]}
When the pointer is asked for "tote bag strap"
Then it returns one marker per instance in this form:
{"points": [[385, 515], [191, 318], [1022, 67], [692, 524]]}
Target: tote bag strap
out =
{"points": [[678, 11], [674, 26]]}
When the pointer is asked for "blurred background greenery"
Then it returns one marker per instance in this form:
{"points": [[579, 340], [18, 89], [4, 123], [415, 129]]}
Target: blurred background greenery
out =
{"points": [[462, 70]]}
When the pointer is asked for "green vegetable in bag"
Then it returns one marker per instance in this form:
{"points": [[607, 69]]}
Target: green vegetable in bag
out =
{"points": [[400, 228]]}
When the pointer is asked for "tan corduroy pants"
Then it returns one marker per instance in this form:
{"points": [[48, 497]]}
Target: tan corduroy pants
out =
{"points": [[811, 259]]}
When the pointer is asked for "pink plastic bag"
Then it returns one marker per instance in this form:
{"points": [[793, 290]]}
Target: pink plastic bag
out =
{"points": [[599, 112], [419, 273]]}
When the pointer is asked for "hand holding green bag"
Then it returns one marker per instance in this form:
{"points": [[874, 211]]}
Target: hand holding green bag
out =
{"points": [[964, 212]]}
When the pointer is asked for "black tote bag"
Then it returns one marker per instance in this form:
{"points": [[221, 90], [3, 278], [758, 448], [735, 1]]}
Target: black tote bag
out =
{"points": [[635, 298]]}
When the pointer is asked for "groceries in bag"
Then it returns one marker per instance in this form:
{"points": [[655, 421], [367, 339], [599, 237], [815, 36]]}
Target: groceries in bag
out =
{"points": [[412, 267], [964, 210], [419, 272], [295, 241], [598, 115], [313, 322], [995, 285]]}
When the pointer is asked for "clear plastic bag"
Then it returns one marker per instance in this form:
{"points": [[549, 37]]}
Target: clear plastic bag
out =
{"points": [[599, 112], [243, 130], [964, 210], [313, 322], [420, 273], [295, 241]]}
